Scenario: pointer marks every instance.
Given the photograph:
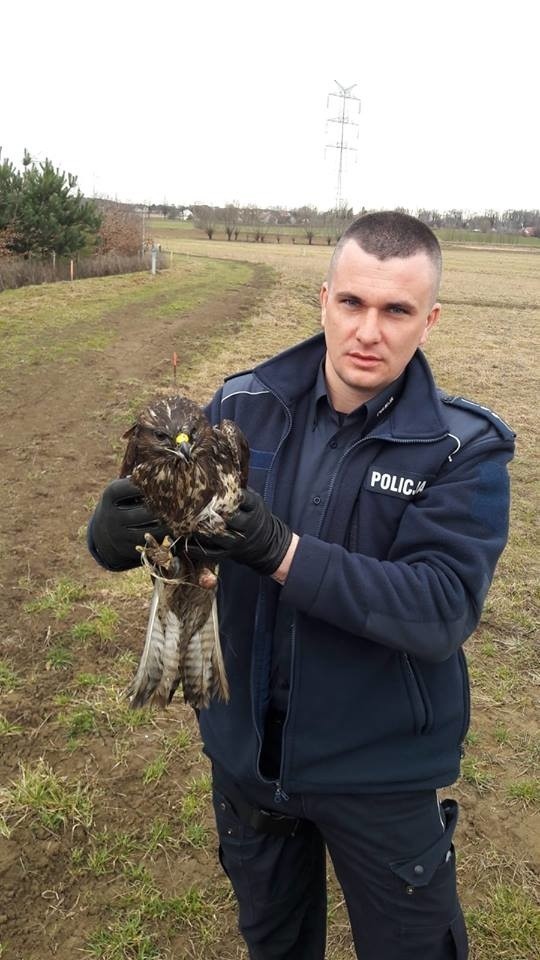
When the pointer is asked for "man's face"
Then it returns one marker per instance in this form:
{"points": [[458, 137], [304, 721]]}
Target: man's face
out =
{"points": [[375, 313]]}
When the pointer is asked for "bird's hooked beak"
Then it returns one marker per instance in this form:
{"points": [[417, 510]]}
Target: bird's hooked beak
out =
{"points": [[183, 447]]}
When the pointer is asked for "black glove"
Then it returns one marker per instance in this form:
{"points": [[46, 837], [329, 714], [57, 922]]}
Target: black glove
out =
{"points": [[255, 537], [118, 525]]}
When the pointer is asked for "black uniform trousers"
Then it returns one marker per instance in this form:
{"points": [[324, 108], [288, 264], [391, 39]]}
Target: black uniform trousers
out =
{"points": [[392, 854]]}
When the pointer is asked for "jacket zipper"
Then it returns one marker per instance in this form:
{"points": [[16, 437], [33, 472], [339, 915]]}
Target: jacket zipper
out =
{"points": [[268, 489], [280, 793]]}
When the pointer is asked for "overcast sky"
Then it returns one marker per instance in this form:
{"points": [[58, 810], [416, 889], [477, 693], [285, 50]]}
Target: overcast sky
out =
{"points": [[227, 101]]}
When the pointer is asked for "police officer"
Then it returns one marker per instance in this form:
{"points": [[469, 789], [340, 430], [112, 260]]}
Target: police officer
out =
{"points": [[362, 553]]}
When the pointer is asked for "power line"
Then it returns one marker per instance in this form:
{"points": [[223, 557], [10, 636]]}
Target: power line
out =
{"points": [[344, 96]]}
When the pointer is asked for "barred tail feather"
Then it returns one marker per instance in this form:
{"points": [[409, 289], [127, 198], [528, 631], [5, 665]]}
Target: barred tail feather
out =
{"points": [[150, 669], [172, 655], [204, 671], [220, 682]]}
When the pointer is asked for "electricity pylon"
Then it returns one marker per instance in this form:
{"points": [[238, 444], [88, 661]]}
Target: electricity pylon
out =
{"points": [[345, 95]]}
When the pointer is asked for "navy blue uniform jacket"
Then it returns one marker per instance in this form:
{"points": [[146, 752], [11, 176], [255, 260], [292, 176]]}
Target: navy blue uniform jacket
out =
{"points": [[384, 596]]}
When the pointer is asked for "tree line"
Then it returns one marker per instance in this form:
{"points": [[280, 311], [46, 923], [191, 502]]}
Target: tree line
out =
{"points": [[232, 217], [43, 213]]}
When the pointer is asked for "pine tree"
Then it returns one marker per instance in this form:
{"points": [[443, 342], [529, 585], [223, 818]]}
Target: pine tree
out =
{"points": [[51, 214], [10, 184]]}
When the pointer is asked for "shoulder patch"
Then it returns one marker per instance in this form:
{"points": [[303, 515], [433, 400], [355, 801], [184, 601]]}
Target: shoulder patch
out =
{"points": [[463, 404], [239, 373], [242, 383]]}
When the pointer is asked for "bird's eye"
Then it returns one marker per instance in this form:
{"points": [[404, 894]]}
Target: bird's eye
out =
{"points": [[162, 437]]}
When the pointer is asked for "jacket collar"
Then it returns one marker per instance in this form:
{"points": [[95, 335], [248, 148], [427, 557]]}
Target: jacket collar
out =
{"points": [[417, 415]]}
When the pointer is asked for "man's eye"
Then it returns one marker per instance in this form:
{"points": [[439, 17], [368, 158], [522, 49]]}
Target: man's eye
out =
{"points": [[398, 310]]}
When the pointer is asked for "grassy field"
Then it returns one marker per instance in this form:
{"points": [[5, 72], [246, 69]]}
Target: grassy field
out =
{"points": [[163, 230], [107, 846]]}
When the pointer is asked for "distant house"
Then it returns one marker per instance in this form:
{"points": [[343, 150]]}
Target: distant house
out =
{"points": [[186, 214]]}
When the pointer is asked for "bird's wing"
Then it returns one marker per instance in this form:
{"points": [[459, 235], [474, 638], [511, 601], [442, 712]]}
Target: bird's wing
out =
{"points": [[158, 665], [220, 683], [239, 448]]}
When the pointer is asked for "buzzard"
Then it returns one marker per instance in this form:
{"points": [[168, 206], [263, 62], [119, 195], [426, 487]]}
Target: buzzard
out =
{"points": [[191, 475]]}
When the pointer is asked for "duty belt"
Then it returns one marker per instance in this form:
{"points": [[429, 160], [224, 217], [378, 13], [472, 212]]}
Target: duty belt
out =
{"points": [[265, 821]]}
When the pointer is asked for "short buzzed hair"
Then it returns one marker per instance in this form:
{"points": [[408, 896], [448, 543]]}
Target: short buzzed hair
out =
{"points": [[388, 234]]}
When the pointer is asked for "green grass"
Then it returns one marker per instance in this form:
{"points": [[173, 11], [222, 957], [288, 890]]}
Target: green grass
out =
{"points": [[92, 680], [9, 678], [193, 806], [109, 851], [449, 235], [507, 926], [156, 769], [526, 790], [160, 835], [190, 908], [103, 706], [43, 796], [100, 626], [58, 598], [59, 658], [7, 728], [132, 937], [172, 748], [472, 738], [80, 722], [501, 734], [124, 939], [476, 773]]}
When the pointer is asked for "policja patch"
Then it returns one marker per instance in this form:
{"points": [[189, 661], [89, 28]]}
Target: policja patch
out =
{"points": [[395, 484]]}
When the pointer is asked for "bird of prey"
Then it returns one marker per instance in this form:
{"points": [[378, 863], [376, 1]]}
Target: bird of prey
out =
{"points": [[191, 475]]}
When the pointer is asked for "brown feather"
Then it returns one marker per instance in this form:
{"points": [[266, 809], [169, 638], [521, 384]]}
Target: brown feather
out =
{"points": [[192, 486]]}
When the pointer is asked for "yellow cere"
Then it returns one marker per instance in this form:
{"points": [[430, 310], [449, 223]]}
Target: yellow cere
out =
{"points": [[181, 438]]}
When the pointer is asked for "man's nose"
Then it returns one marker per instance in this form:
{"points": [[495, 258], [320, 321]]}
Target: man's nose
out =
{"points": [[368, 329]]}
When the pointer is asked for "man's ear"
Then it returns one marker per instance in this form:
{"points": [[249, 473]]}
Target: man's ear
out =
{"points": [[430, 323], [323, 297]]}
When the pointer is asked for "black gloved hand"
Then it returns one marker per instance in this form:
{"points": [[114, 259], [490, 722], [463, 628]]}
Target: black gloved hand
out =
{"points": [[255, 537], [118, 525]]}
